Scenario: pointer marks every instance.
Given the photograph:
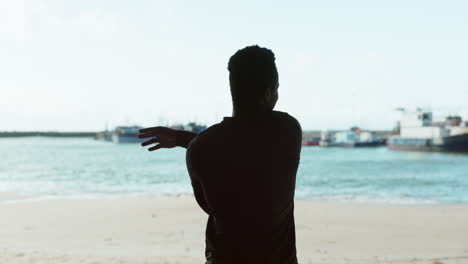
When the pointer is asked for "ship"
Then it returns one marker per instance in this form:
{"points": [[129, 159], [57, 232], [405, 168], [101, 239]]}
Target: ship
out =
{"points": [[327, 139], [126, 134], [314, 141], [352, 138], [418, 132], [105, 135]]}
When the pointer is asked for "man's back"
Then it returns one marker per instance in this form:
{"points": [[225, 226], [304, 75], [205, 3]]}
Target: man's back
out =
{"points": [[243, 172]]}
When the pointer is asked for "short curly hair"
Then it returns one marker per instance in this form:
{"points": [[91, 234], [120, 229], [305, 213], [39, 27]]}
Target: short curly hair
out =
{"points": [[252, 71]]}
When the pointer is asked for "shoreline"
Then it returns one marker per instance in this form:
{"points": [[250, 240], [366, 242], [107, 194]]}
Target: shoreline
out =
{"points": [[19, 197], [171, 230]]}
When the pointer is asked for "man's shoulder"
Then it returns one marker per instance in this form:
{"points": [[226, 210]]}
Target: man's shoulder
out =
{"points": [[290, 121], [210, 132], [285, 121]]}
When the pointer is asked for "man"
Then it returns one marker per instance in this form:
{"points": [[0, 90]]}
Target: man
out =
{"points": [[243, 170]]}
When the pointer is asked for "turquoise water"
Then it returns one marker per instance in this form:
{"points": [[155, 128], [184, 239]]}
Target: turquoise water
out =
{"points": [[85, 168]]}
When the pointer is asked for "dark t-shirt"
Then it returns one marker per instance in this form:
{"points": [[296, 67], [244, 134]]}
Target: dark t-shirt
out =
{"points": [[243, 173]]}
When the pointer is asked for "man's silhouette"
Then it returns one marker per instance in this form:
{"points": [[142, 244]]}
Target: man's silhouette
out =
{"points": [[243, 170]]}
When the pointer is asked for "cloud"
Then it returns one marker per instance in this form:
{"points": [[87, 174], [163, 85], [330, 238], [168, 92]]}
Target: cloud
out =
{"points": [[27, 19], [17, 18], [93, 21]]}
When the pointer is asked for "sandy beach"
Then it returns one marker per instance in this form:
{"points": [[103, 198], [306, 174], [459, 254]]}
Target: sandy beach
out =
{"points": [[171, 230]]}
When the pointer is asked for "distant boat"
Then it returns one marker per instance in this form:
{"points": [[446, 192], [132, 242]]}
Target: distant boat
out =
{"points": [[352, 138], [127, 134], [356, 138], [359, 144], [327, 139], [419, 133], [312, 142], [103, 135]]}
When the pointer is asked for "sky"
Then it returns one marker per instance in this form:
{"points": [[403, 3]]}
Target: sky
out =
{"points": [[84, 65]]}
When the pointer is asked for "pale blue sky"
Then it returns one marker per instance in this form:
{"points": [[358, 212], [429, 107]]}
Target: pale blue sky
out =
{"points": [[75, 65]]}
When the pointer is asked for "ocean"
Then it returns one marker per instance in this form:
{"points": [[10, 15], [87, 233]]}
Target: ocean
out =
{"points": [[83, 168]]}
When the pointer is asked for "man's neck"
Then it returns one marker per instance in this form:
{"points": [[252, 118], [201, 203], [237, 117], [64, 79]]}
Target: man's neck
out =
{"points": [[250, 113]]}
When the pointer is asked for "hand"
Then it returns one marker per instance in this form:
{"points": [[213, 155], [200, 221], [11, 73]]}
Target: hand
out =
{"points": [[164, 137]]}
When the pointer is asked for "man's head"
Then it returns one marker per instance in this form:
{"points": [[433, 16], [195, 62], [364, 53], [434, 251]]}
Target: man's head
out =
{"points": [[254, 79]]}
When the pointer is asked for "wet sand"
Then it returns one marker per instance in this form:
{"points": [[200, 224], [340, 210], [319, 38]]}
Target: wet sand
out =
{"points": [[171, 230]]}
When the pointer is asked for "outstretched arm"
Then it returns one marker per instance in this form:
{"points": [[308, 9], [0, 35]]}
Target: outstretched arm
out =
{"points": [[184, 138], [165, 137]]}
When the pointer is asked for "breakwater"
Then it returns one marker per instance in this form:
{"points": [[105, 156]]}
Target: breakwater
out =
{"points": [[46, 134]]}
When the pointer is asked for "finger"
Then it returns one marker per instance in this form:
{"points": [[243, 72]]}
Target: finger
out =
{"points": [[150, 129], [146, 135], [151, 141], [145, 130], [155, 147]]}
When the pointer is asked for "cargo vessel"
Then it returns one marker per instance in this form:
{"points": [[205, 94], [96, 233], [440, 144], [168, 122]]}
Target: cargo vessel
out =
{"points": [[418, 132], [126, 134]]}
